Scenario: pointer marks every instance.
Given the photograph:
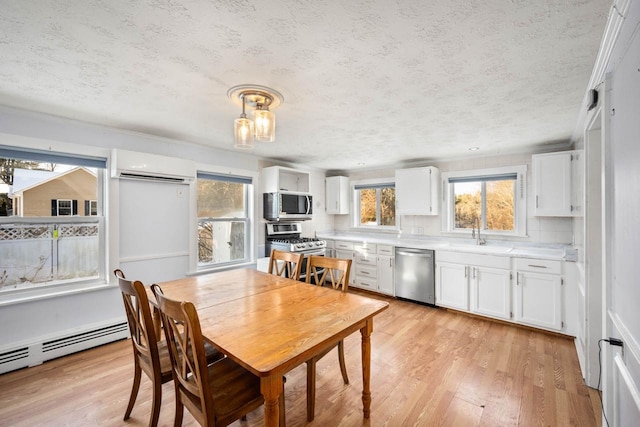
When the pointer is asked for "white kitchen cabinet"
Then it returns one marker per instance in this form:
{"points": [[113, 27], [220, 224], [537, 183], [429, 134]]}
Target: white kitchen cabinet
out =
{"points": [[557, 183], [337, 195], [452, 285], [365, 266], [279, 178], [539, 293], [491, 292], [385, 269], [474, 282], [344, 250], [417, 191]]}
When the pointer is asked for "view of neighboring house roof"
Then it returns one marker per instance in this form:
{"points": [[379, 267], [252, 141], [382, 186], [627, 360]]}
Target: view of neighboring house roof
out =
{"points": [[25, 179]]}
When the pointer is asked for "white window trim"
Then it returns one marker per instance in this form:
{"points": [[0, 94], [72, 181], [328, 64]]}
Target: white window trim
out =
{"points": [[194, 269], [520, 200], [58, 206], [355, 201]]}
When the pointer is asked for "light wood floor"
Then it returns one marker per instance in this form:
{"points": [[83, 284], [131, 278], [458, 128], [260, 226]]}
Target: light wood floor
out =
{"points": [[429, 367]]}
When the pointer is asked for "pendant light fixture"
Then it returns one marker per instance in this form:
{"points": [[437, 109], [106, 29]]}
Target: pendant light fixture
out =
{"points": [[243, 131], [263, 126]]}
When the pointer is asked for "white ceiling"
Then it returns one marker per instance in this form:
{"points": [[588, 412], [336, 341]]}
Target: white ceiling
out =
{"points": [[366, 83]]}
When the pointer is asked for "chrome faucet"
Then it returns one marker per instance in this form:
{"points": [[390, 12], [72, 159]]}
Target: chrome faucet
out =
{"points": [[479, 241]]}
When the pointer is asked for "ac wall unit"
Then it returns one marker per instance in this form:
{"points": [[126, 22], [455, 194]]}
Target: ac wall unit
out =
{"points": [[152, 167]]}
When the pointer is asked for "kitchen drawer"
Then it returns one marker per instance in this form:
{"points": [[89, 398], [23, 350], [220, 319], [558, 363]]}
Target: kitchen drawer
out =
{"points": [[365, 259], [343, 245], [362, 270], [385, 250], [365, 248], [366, 283], [546, 266]]}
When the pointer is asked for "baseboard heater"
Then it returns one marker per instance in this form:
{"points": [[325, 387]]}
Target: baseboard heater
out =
{"points": [[35, 353]]}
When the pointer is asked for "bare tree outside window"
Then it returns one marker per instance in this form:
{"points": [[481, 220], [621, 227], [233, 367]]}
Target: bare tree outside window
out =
{"points": [[222, 221], [377, 206], [499, 201]]}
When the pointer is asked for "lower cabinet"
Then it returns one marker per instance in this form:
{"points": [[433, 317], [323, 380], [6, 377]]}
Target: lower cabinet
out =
{"points": [[539, 293], [491, 292], [342, 250], [372, 266], [452, 285], [386, 267]]}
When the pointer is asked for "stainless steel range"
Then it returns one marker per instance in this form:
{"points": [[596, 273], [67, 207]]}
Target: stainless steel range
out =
{"points": [[288, 237]]}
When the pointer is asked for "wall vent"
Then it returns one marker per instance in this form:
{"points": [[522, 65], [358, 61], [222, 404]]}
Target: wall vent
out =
{"points": [[13, 355], [35, 353], [78, 339]]}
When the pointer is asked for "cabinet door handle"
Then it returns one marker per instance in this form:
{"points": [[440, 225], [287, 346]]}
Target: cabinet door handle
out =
{"points": [[537, 266], [536, 201], [465, 271], [474, 272]]}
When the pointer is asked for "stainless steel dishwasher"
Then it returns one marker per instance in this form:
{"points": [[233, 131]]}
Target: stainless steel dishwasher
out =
{"points": [[415, 275]]}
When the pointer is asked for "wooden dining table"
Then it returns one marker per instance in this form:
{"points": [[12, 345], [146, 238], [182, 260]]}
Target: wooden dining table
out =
{"points": [[270, 324]]}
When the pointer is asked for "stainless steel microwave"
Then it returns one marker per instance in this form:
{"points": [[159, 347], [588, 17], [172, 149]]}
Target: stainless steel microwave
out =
{"points": [[287, 206]]}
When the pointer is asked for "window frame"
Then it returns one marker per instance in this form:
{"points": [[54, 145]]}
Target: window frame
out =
{"points": [[520, 200], [74, 285], [380, 183], [58, 207], [206, 172]]}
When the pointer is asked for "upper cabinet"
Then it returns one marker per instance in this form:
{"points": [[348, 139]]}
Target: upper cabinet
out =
{"points": [[337, 195], [417, 191], [557, 183], [279, 178]]}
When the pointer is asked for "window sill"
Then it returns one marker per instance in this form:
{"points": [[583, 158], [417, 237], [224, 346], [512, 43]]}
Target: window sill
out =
{"points": [[221, 268], [20, 296]]}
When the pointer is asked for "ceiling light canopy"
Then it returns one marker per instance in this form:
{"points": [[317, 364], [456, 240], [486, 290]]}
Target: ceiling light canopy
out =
{"points": [[262, 126]]}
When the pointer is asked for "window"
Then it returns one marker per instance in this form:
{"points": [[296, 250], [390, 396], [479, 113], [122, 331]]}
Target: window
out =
{"points": [[62, 207], [375, 204], [42, 240], [90, 207], [223, 220], [491, 199]]}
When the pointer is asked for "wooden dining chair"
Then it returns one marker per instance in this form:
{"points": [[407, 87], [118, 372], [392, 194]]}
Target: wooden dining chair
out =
{"points": [[150, 353], [286, 264], [332, 272], [216, 394], [149, 356]]}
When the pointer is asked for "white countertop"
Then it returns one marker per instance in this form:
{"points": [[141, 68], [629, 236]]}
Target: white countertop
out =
{"points": [[493, 247]]}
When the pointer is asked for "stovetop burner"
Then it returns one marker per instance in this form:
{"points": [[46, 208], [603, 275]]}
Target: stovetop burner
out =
{"points": [[290, 239]]}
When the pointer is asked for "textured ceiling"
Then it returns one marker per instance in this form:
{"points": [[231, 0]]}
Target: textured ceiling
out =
{"points": [[366, 83]]}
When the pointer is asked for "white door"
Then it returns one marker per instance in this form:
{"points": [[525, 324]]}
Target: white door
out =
{"points": [[385, 274], [552, 184], [491, 292], [539, 300], [347, 254], [452, 285]]}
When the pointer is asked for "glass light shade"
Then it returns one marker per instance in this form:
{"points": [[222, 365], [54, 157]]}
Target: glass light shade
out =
{"points": [[265, 123], [243, 133]]}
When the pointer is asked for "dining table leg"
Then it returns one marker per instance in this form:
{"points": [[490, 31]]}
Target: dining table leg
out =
{"points": [[366, 367], [271, 387]]}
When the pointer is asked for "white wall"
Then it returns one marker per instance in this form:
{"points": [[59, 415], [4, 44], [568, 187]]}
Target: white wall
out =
{"points": [[622, 297], [539, 229]]}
